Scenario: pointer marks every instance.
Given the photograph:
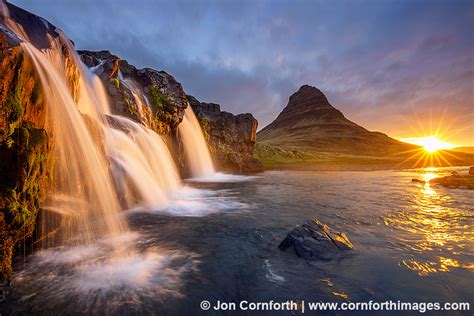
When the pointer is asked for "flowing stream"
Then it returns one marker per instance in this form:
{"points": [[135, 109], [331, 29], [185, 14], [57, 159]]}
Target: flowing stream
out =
{"points": [[413, 243]]}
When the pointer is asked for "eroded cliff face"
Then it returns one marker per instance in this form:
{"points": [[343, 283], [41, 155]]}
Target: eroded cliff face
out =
{"points": [[231, 138], [148, 96], [26, 147], [155, 99]]}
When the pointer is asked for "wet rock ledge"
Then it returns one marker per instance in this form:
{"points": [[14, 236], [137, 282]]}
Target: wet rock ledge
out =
{"points": [[316, 241]]}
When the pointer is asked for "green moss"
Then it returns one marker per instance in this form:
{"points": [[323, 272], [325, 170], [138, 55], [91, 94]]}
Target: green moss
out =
{"points": [[26, 165], [203, 122], [158, 100], [14, 102], [20, 186], [115, 82]]}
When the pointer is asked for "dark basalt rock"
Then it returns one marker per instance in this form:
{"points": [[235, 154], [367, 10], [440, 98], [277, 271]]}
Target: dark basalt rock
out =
{"points": [[166, 97], [36, 27], [316, 241], [231, 137]]}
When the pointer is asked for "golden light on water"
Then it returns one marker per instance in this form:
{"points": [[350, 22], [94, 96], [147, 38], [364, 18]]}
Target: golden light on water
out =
{"points": [[432, 230]]}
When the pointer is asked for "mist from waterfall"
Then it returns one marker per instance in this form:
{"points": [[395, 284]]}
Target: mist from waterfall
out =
{"points": [[197, 154]]}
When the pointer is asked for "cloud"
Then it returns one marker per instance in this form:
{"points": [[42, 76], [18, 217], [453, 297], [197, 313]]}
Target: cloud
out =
{"points": [[375, 60]]}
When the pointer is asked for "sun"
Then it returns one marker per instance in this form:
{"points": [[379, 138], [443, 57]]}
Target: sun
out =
{"points": [[430, 144]]}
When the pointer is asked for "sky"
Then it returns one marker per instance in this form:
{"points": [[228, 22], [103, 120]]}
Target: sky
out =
{"points": [[405, 67]]}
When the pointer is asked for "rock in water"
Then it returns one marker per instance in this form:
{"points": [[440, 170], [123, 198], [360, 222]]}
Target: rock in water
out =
{"points": [[455, 181], [316, 241]]}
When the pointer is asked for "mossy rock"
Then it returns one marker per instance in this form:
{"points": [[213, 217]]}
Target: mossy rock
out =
{"points": [[26, 162]]}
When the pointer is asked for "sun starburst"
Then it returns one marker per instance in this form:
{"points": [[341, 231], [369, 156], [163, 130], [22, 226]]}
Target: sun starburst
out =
{"points": [[429, 143], [432, 134]]}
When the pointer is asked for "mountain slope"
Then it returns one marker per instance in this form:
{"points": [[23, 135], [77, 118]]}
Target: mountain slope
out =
{"points": [[310, 123]]}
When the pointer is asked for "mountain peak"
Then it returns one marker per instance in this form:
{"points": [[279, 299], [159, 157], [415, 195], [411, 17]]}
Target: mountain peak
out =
{"points": [[308, 96], [310, 123], [308, 89]]}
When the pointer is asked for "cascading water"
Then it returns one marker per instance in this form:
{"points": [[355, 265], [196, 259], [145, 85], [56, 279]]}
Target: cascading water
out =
{"points": [[83, 189], [195, 146], [136, 95], [137, 171], [99, 156]]}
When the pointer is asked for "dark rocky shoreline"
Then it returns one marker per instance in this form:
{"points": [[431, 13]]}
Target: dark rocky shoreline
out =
{"points": [[456, 180]]}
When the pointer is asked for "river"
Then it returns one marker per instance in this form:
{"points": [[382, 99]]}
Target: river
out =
{"points": [[218, 241]]}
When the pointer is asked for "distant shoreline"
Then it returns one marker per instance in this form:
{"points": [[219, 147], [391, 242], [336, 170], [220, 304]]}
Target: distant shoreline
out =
{"points": [[275, 158], [351, 167]]}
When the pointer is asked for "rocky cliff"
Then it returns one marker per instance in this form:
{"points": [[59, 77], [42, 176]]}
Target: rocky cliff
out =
{"points": [[310, 123], [157, 100], [231, 138], [26, 162], [151, 97]]}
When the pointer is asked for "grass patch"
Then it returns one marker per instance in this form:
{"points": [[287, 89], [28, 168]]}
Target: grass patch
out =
{"points": [[280, 158], [158, 100]]}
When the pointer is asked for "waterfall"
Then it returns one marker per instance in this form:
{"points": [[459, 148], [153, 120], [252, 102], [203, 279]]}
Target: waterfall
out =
{"points": [[195, 146], [136, 95], [83, 189], [103, 162], [143, 167]]}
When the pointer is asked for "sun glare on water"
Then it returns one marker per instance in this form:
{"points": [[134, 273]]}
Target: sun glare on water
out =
{"points": [[431, 144]]}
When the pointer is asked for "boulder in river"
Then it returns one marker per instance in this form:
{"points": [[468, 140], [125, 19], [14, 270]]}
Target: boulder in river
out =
{"points": [[455, 181], [316, 241]]}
